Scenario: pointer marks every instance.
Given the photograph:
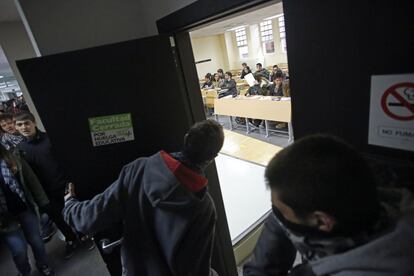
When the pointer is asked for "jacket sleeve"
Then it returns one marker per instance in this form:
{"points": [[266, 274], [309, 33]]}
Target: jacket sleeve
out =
{"points": [[103, 211], [32, 183], [274, 253], [232, 84]]}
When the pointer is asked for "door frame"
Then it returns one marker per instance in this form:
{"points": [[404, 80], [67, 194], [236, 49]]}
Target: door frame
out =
{"points": [[178, 26]]}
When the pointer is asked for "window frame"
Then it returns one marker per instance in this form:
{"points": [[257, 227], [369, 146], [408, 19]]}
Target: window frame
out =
{"points": [[267, 36], [282, 33], [241, 42]]}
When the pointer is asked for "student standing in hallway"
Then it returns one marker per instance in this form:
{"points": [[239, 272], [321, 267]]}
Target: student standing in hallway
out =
{"points": [[37, 150], [20, 197], [164, 204]]}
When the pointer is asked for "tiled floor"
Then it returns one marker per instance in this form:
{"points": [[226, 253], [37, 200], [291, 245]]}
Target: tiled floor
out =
{"points": [[248, 148], [84, 262]]}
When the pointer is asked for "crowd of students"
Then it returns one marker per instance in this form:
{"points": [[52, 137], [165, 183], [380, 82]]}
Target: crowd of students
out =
{"points": [[14, 105], [274, 83], [32, 183], [224, 82]]}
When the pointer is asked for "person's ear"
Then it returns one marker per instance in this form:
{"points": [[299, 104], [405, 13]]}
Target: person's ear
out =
{"points": [[323, 221], [185, 139]]}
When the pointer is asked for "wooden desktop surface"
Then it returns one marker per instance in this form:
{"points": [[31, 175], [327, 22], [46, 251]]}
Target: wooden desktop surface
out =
{"points": [[257, 107], [248, 148]]}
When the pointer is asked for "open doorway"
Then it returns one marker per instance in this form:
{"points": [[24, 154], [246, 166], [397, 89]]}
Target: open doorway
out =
{"points": [[243, 74], [252, 48]]}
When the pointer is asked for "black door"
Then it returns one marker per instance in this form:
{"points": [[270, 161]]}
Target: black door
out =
{"points": [[136, 77], [142, 78]]}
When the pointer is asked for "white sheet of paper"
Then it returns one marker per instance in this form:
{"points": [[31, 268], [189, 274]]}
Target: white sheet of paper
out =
{"points": [[250, 79]]}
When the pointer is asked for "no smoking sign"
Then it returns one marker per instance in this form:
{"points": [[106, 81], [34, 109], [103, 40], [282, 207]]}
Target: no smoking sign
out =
{"points": [[398, 101], [391, 117]]}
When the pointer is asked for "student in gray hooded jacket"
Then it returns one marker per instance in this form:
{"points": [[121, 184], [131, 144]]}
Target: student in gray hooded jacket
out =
{"points": [[326, 207], [164, 204]]}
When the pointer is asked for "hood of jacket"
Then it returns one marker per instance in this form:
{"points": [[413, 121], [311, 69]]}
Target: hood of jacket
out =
{"points": [[390, 252], [169, 183]]}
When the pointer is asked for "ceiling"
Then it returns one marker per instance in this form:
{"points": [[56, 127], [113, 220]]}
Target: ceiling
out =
{"points": [[4, 65], [8, 11], [248, 18]]}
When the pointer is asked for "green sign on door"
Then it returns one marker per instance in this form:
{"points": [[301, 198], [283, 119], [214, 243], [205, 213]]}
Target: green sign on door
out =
{"points": [[112, 129]]}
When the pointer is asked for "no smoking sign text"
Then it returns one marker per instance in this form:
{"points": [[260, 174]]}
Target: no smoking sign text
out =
{"points": [[391, 122]]}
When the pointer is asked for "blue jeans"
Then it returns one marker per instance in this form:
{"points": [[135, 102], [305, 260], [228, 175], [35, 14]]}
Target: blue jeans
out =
{"points": [[17, 243]]}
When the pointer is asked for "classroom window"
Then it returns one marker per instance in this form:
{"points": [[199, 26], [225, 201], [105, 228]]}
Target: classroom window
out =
{"points": [[266, 33], [241, 39], [282, 33]]}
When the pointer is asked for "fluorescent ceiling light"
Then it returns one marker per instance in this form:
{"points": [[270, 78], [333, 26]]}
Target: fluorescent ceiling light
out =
{"points": [[236, 28], [274, 16], [1, 77]]}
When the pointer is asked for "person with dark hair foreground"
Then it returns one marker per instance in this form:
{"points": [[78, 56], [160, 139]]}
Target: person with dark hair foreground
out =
{"points": [[327, 207], [163, 202]]}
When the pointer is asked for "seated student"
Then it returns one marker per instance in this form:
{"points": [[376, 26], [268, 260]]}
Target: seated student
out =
{"points": [[245, 71], [10, 137], [164, 205], [276, 71], [21, 195], [220, 72], [327, 207], [279, 87], [229, 86], [37, 151], [260, 86], [217, 81], [208, 84], [262, 71]]}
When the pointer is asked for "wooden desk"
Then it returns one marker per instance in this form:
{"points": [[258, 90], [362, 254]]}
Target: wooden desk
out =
{"points": [[209, 95], [257, 107]]}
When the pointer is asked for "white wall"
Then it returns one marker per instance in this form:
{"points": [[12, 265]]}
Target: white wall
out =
{"points": [[16, 45], [59, 26], [210, 47]]}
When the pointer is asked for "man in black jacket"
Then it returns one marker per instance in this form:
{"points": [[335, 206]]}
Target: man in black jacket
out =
{"points": [[37, 150], [164, 205], [326, 206]]}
